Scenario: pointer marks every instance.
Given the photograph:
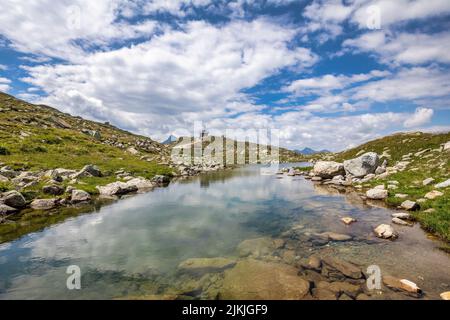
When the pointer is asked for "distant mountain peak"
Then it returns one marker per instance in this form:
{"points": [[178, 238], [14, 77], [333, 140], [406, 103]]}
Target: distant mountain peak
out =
{"points": [[309, 151], [170, 139]]}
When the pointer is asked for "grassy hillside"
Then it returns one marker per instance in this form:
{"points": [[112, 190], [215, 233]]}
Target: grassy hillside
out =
{"points": [[41, 138], [426, 160]]}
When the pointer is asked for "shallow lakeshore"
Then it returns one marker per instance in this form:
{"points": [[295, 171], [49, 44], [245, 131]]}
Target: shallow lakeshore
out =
{"points": [[132, 248]]}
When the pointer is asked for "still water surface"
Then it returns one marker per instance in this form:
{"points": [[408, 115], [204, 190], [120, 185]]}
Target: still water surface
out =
{"points": [[133, 247]]}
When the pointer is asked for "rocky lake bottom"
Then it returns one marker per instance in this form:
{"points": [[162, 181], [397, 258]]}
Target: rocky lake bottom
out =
{"points": [[235, 234]]}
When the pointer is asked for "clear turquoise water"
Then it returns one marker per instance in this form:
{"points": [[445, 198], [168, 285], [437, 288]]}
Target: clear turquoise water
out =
{"points": [[133, 247]]}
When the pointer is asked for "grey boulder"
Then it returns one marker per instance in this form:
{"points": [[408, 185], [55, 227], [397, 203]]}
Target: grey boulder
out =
{"points": [[363, 165]]}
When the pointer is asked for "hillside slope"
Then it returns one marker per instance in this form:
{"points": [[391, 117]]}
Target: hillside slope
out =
{"points": [[423, 156], [40, 138]]}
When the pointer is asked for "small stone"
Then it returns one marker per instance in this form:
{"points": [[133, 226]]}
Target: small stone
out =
{"points": [[6, 210], [377, 194], [44, 204], [410, 205], [314, 263], [80, 196], [348, 220], [401, 284], [445, 295], [444, 184], [401, 215], [433, 195], [409, 286], [431, 210], [401, 222], [53, 190], [428, 181], [133, 151]]}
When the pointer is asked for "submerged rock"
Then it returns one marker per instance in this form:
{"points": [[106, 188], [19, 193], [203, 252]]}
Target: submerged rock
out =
{"points": [[206, 265], [257, 280], [346, 268], [333, 236], [348, 220], [256, 247]]}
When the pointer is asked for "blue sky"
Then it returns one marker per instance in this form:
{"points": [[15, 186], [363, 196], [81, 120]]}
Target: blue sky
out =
{"points": [[326, 74]]}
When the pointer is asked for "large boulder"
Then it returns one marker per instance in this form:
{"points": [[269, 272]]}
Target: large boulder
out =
{"points": [[363, 165], [257, 280], [13, 199], [328, 169]]}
